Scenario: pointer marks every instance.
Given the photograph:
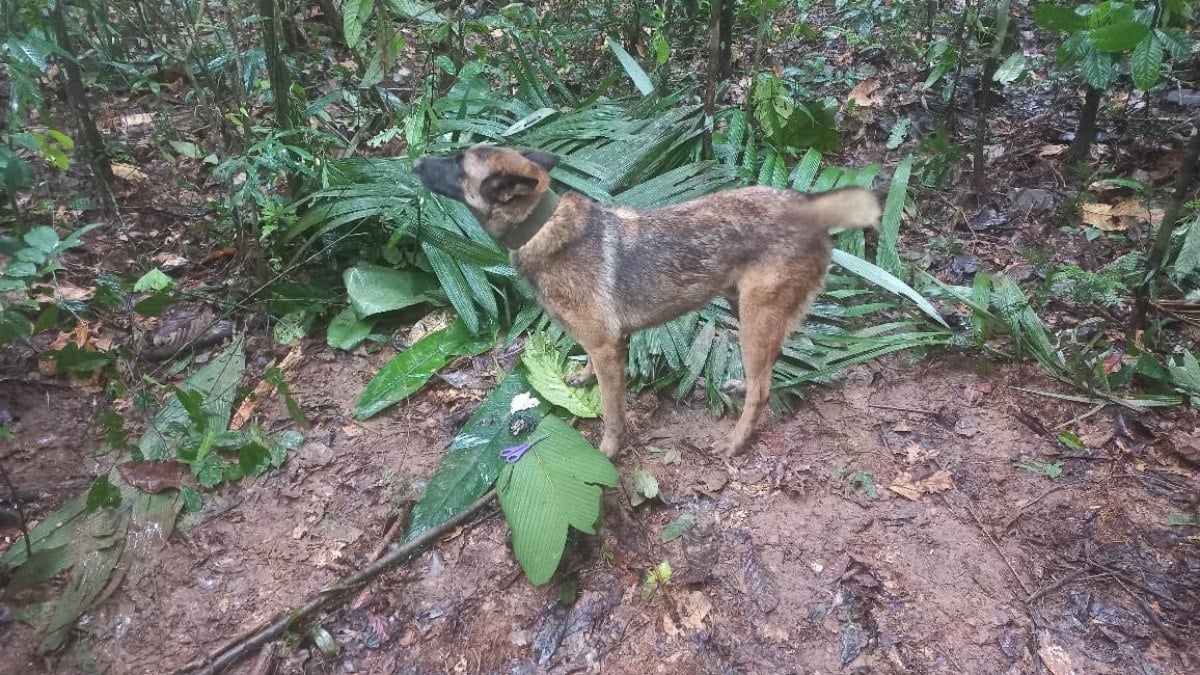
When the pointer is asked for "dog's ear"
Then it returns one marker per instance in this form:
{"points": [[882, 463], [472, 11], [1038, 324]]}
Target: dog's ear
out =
{"points": [[502, 188], [546, 160]]}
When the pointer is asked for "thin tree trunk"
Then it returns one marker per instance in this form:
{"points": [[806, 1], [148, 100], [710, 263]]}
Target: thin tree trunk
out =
{"points": [[985, 95], [1086, 132], [1158, 254], [710, 84], [93, 142], [332, 18], [726, 35], [277, 71]]}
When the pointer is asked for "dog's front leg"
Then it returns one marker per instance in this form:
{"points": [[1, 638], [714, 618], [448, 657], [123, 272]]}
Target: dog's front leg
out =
{"points": [[608, 361], [584, 377]]}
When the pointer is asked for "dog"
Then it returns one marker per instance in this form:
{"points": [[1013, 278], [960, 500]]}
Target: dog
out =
{"points": [[603, 272]]}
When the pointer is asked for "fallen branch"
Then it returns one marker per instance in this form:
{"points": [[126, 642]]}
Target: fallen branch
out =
{"points": [[244, 644]]}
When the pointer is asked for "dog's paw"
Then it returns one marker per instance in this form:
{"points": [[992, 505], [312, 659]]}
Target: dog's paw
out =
{"points": [[581, 379], [735, 388], [610, 447], [729, 448]]}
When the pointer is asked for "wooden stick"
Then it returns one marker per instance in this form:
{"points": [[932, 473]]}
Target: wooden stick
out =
{"points": [[239, 647]]}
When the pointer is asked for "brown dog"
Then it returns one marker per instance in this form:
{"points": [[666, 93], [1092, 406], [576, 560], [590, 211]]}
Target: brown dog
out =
{"points": [[604, 272]]}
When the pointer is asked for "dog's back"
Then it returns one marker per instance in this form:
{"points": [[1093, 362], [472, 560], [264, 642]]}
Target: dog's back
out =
{"points": [[674, 259]]}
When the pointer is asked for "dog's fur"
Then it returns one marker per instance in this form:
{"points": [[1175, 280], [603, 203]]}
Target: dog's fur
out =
{"points": [[604, 272]]}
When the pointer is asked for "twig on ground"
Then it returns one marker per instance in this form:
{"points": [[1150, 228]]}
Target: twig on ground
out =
{"points": [[1025, 508], [991, 540], [1080, 418], [16, 499], [247, 642], [392, 532]]}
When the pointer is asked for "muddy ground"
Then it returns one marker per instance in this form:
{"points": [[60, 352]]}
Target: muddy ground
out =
{"points": [[797, 562]]}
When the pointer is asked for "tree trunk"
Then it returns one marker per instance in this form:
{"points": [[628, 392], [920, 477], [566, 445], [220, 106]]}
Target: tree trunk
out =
{"points": [[281, 82], [1158, 254], [93, 142], [726, 35], [332, 18], [1086, 132], [985, 94], [714, 68]]}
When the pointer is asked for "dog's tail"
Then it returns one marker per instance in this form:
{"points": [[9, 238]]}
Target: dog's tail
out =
{"points": [[853, 208]]}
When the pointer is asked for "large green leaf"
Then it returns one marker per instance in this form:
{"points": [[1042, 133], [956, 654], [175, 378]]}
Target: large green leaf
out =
{"points": [[546, 369], [556, 485], [1097, 68], [1145, 63], [883, 279], [1188, 260], [888, 256], [409, 370], [346, 331], [373, 289], [1058, 18], [473, 461], [1118, 37], [640, 79], [216, 384], [355, 14]]}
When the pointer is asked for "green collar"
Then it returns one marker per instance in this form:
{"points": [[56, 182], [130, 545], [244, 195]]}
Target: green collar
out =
{"points": [[522, 232]]}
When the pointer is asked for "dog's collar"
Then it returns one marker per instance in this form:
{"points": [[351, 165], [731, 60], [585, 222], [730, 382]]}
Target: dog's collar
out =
{"points": [[522, 232]]}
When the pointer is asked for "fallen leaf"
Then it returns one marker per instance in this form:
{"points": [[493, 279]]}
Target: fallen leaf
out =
{"points": [[62, 290], [863, 94], [694, 607], [225, 252], [154, 477], [430, 323], [1052, 150], [1056, 659], [263, 389], [128, 172], [1118, 217], [905, 486], [136, 120]]}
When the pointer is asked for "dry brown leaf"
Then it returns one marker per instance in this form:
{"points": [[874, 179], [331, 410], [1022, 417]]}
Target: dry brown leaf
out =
{"points": [[1057, 660], [432, 322], [136, 120], [248, 407], [1119, 216], [864, 93], [128, 172], [62, 290], [156, 476], [1052, 150], [938, 481], [695, 606]]}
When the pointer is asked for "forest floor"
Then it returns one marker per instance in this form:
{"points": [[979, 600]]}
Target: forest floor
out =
{"points": [[882, 526]]}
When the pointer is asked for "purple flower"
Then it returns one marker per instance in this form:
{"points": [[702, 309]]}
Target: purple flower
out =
{"points": [[515, 452]]}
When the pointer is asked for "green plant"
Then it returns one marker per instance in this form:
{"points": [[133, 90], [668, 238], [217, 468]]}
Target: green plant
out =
{"points": [[34, 256], [1102, 37]]}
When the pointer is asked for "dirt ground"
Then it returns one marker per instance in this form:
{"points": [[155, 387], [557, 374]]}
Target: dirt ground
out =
{"points": [[805, 556]]}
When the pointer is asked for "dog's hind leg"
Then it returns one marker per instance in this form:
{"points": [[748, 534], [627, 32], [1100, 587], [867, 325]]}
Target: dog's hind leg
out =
{"points": [[771, 302]]}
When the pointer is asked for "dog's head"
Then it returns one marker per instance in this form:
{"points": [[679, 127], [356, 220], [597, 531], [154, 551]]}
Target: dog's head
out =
{"points": [[502, 186]]}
